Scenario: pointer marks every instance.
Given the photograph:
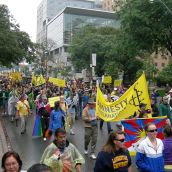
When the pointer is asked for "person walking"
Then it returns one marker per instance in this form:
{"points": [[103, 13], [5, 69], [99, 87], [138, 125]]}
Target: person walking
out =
{"points": [[23, 111], [61, 155], [149, 156], [72, 113], [167, 142], [12, 102], [44, 115], [56, 117], [91, 129], [114, 156], [109, 128], [164, 109]]}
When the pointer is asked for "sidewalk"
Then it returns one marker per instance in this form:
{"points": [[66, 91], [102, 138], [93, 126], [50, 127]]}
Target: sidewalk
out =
{"points": [[3, 139]]}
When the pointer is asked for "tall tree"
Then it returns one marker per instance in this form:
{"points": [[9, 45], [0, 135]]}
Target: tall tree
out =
{"points": [[148, 24], [15, 45], [165, 76], [114, 51]]}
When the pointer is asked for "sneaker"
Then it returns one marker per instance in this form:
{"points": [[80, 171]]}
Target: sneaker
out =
{"points": [[86, 152], [92, 156], [44, 139]]}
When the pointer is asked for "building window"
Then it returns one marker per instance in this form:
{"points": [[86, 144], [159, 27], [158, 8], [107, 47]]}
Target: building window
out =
{"points": [[57, 51], [156, 64], [163, 64], [51, 53], [65, 49], [68, 59]]}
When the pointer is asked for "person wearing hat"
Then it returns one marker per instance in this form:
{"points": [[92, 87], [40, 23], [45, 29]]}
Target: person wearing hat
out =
{"points": [[23, 111], [85, 98], [170, 99], [164, 108], [91, 130]]}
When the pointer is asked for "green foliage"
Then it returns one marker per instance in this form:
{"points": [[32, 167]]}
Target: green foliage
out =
{"points": [[15, 45], [114, 53], [148, 24], [165, 76], [161, 92]]}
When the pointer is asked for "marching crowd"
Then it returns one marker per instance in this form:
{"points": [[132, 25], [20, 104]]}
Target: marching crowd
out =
{"points": [[77, 101]]}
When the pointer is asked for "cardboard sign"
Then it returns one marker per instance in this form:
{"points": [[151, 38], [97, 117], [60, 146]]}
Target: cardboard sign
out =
{"points": [[52, 100]]}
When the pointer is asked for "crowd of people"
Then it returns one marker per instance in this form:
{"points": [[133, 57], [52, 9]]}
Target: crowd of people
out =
{"points": [[77, 101]]}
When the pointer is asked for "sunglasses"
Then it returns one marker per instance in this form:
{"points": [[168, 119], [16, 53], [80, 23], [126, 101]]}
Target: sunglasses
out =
{"points": [[121, 140], [151, 131]]}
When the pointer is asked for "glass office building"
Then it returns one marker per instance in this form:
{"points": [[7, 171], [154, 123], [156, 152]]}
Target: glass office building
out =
{"points": [[48, 9], [63, 26]]}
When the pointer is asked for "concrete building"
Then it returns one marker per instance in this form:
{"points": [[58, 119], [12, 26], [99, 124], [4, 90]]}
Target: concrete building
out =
{"points": [[48, 9], [112, 5], [70, 20], [161, 60], [107, 5]]}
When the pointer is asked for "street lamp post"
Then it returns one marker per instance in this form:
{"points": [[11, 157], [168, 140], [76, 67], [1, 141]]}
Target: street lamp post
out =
{"points": [[46, 60], [168, 9]]}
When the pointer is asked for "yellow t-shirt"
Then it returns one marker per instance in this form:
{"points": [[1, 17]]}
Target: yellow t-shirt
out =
{"points": [[22, 107], [64, 107]]}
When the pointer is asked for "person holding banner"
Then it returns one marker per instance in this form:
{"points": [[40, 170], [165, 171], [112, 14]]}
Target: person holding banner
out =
{"points": [[44, 115], [114, 156], [149, 157], [108, 99], [91, 130]]}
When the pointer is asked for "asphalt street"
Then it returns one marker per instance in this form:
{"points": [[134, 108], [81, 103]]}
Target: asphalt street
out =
{"points": [[30, 149]]}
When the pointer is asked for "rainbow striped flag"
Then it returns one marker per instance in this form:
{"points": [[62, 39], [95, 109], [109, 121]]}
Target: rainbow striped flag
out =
{"points": [[135, 133], [37, 130]]}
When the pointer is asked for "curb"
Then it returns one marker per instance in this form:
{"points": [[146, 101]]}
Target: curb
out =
{"points": [[4, 139]]}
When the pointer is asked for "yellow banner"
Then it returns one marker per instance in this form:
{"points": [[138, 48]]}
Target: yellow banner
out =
{"points": [[52, 100], [58, 82], [16, 76], [38, 80], [126, 105], [118, 83], [107, 79]]}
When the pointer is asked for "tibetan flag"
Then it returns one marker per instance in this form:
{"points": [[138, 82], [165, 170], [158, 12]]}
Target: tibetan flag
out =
{"points": [[135, 133], [37, 130]]}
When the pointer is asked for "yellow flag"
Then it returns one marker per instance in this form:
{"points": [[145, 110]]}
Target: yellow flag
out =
{"points": [[33, 79], [16, 76], [40, 80], [126, 105], [58, 82]]}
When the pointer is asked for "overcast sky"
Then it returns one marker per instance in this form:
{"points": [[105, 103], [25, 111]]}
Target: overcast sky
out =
{"points": [[25, 13]]}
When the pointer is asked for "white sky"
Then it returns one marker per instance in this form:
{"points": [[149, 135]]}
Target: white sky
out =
{"points": [[25, 13]]}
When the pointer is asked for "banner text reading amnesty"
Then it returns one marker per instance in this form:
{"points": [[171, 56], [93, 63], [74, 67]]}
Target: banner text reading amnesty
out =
{"points": [[116, 108]]}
